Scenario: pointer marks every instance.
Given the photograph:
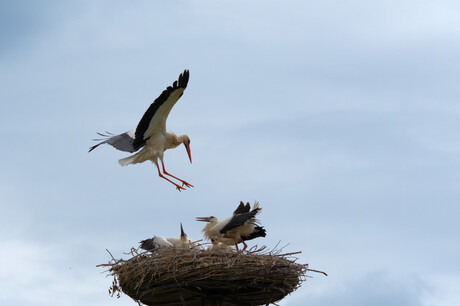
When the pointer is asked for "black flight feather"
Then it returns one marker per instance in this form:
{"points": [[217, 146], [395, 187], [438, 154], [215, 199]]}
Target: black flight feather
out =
{"points": [[148, 244], [122, 142], [242, 208]]}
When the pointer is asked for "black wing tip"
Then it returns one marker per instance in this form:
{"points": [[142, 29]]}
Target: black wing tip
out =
{"points": [[93, 147], [103, 140], [183, 79], [239, 209], [242, 208], [106, 136]]}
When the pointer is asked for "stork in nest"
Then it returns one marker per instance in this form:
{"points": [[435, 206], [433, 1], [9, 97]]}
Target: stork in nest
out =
{"points": [[238, 228]]}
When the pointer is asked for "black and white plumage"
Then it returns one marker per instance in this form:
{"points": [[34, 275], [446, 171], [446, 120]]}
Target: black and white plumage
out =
{"points": [[167, 242], [240, 227], [151, 136]]}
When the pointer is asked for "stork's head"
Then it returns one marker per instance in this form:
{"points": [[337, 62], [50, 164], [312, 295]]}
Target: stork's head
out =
{"points": [[211, 222], [186, 141]]}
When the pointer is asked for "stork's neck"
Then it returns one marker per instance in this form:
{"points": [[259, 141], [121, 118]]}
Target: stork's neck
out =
{"points": [[208, 226], [172, 140]]}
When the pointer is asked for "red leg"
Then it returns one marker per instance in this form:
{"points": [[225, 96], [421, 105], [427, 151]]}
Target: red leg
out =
{"points": [[245, 245], [161, 175], [183, 182]]}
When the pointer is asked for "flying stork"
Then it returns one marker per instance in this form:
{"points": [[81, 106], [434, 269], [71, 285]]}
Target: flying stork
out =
{"points": [[161, 242], [151, 134], [236, 229]]}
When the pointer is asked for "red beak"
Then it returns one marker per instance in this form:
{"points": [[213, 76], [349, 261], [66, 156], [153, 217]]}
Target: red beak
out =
{"points": [[204, 219], [187, 147]]}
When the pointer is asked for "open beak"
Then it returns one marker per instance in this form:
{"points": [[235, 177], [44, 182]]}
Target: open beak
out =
{"points": [[187, 147], [204, 219]]}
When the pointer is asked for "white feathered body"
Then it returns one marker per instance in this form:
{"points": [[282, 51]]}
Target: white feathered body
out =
{"points": [[154, 148]]}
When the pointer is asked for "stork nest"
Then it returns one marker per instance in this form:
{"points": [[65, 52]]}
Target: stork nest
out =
{"points": [[170, 276]]}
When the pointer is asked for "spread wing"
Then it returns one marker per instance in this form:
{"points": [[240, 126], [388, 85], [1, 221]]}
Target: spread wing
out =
{"points": [[154, 119], [239, 220], [122, 142]]}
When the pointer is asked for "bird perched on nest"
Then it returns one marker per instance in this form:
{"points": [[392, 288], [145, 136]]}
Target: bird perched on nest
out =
{"points": [[236, 229], [151, 134], [166, 242]]}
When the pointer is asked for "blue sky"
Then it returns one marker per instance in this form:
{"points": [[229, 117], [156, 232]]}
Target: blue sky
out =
{"points": [[342, 119]]}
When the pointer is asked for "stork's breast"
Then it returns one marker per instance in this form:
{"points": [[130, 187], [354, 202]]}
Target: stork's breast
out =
{"points": [[155, 146]]}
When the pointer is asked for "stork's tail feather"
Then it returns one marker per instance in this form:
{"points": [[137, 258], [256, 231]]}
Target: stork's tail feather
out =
{"points": [[259, 231], [127, 160]]}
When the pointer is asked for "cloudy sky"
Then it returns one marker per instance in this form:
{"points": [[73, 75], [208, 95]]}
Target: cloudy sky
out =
{"points": [[341, 118]]}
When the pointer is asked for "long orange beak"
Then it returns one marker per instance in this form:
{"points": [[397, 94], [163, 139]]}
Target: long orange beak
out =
{"points": [[204, 219], [187, 147]]}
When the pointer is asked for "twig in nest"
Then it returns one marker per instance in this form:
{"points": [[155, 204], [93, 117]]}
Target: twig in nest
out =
{"points": [[317, 271], [110, 255]]}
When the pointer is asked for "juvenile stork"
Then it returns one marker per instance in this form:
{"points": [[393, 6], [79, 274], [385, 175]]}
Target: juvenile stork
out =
{"points": [[166, 242], [236, 229], [151, 135]]}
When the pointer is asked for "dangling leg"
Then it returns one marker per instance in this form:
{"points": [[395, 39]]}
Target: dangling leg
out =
{"points": [[183, 182], [161, 175]]}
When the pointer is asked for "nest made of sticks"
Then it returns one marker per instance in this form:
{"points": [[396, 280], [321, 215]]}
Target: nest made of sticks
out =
{"points": [[172, 276]]}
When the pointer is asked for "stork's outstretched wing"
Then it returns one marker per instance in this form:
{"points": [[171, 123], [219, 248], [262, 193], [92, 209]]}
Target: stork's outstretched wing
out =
{"points": [[240, 219], [122, 142], [154, 119]]}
